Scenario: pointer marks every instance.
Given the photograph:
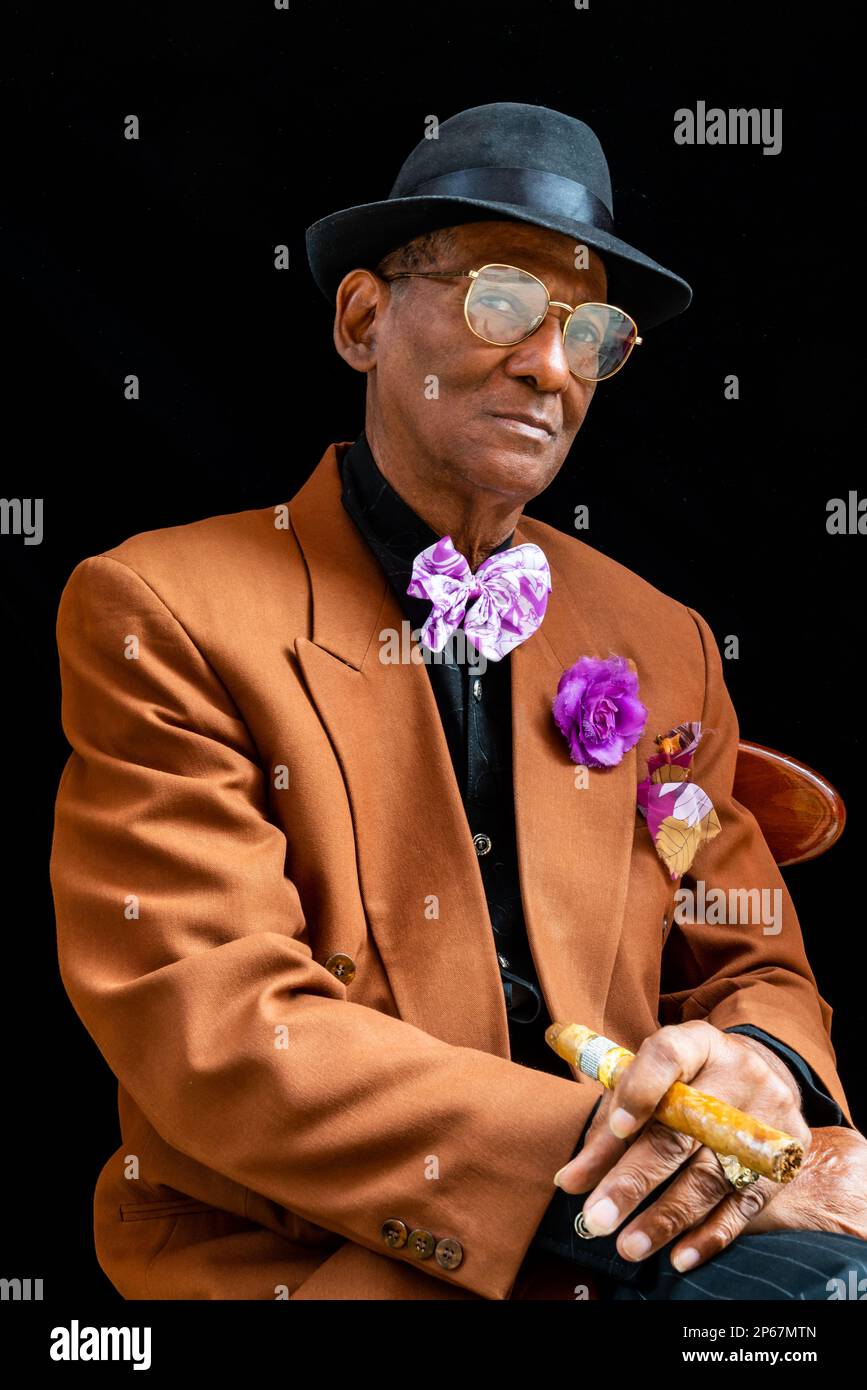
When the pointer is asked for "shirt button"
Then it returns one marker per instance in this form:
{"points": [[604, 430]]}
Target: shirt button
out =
{"points": [[342, 966], [449, 1252], [420, 1244], [477, 688], [482, 844], [394, 1233]]}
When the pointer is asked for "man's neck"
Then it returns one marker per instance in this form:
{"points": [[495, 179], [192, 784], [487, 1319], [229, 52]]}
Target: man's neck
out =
{"points": [[477, 521]]}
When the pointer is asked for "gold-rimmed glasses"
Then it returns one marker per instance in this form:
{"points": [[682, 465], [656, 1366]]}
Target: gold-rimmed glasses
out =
{"points": [[504, 305]]}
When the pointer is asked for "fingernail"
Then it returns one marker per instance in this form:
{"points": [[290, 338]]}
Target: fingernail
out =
{"points": [[622, 1123], [685, 1259], [558, 1174], [602, 1217], [636, 1246]]}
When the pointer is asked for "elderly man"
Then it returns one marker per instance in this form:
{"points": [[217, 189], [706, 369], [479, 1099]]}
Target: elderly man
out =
{"points": [[320, 890]]}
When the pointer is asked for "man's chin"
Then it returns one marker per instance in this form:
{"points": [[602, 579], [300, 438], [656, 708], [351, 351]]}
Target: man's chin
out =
{"points": [[518, 465]]}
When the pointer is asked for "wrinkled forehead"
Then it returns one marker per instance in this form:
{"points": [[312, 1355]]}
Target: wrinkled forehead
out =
{"points": [[548, 254]]}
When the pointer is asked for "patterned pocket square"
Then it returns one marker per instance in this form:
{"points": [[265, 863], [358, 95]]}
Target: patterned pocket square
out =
{"points": [[680, 816]]}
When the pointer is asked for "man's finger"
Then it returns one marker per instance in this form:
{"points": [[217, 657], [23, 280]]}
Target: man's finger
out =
{"points": [[655, 1155], [702, 1183]]}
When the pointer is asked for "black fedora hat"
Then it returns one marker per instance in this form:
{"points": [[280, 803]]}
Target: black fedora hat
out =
{"points": [[505, 160]]}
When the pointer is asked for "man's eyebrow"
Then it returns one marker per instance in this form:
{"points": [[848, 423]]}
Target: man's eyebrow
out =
{"points": [[579, 294], [582, 295], [589, 292], [587, 298]]}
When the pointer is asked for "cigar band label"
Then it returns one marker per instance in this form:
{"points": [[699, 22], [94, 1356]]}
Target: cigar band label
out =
{"points": [[592, 1053]]}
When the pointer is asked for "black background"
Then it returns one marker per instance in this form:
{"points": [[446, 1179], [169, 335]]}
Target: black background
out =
{"points": [[156, 257]]}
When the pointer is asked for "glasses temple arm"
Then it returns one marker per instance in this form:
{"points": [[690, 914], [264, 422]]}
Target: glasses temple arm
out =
{"points": [[425, 274]]}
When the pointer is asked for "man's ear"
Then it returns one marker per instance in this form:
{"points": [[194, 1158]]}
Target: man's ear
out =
{"points": [[361, 299]]}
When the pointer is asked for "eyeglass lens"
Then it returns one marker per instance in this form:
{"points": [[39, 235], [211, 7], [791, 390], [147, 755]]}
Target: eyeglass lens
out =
{"points": [[505, 305]]}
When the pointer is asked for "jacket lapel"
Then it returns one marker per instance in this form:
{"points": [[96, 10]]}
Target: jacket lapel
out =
{"points": [[419, 874]]}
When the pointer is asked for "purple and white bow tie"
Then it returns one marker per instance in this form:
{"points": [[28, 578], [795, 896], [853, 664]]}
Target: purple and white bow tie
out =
{"points": [[507, 596]]}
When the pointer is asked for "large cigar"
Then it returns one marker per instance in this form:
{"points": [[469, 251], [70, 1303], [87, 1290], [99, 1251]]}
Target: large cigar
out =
{"points": [[714, 1122]]}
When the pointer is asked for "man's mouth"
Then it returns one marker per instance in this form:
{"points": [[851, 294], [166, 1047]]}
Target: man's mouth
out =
{"points": [[522, 422]]}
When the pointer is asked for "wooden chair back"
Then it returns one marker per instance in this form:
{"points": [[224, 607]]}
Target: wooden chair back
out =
{"points": [[801, 814]]}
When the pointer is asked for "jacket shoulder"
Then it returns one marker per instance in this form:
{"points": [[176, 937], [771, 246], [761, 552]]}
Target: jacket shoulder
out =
{"points": [[214, 541], [592, 573], [226, 568]]}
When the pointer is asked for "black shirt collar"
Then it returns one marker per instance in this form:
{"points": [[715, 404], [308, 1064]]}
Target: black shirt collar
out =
{"points": [[394, 532]]}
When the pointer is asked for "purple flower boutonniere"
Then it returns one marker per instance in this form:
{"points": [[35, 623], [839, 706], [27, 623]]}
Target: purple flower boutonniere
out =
{"points": [[597, 710]]}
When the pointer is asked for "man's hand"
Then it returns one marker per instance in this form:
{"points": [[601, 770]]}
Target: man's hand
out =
{"points": [[730, 1066], [829, 1193]]}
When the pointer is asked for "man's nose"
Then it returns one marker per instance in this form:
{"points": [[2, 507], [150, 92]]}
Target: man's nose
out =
{"points": [[543, 354]]}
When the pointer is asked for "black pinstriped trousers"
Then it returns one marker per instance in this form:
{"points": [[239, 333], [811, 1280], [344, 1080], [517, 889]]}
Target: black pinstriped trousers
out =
{"points": [[778, 1266], [772, 1268]]}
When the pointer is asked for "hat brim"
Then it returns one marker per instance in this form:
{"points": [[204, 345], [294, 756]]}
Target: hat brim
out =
{"points": [[360, 237]]}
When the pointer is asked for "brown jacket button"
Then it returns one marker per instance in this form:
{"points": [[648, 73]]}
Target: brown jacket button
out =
{"points": [[449, 1252], [421, 1243], [394, 1233], [342, 966]]}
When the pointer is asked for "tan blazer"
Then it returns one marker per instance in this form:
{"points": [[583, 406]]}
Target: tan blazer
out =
{"points": [[251, 793]]}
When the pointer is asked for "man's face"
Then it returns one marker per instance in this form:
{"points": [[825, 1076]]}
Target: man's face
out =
{"points": [[462, 431]]}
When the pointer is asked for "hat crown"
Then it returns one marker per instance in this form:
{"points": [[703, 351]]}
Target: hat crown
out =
{"points": [[509, 135]]}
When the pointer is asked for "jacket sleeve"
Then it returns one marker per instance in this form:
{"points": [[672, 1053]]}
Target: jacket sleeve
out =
{"points": [[181, 945], [742, 959]]}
